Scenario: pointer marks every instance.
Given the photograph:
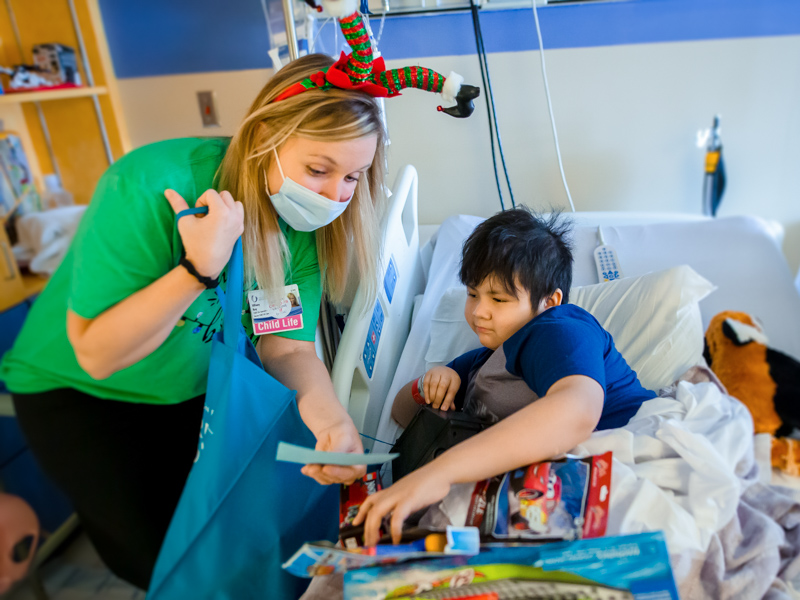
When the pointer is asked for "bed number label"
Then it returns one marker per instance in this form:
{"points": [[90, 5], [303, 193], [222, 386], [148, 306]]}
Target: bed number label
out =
{"points": [[605, 257], [373, 339]]}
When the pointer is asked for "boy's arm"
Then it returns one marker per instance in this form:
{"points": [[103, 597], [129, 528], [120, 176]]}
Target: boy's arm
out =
{"points": [[438, 390], [566, 416], [404, 408]]}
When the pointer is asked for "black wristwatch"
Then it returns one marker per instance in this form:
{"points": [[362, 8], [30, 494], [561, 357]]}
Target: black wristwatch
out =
{"points": [[206, 281]]}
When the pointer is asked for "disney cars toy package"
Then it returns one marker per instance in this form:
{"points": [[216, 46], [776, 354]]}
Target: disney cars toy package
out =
{"points": [[553, 500]]}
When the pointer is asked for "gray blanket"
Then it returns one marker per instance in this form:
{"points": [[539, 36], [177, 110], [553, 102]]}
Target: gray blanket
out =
{"points": [[756, 555]]}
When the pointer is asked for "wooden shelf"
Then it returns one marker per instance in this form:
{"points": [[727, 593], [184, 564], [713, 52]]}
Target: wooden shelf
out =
{"points": [[26, 286], [33, 284], [43, 95]]}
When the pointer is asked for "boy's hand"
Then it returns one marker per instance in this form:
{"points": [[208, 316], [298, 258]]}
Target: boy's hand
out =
{"points": [[440, 387], [416, 490]]}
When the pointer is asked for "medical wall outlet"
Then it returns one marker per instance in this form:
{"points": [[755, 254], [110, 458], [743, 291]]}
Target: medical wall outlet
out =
{"points": [[208, 109]]}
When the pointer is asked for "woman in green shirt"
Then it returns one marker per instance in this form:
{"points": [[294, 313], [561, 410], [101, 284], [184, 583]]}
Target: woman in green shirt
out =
{"points": [[109, 372]]}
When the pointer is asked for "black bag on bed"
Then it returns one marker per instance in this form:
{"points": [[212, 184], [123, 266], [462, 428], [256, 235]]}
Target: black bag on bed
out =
{"points": [[429, 434]]}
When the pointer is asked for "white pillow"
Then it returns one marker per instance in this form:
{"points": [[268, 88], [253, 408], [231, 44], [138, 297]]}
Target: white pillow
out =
{"points": [[654, 320], [451, 336]]}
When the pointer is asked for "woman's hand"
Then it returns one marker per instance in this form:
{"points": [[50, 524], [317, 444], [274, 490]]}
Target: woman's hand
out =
{"points": [[416, 490], [440, 387], [208, 239], [340, 437]]}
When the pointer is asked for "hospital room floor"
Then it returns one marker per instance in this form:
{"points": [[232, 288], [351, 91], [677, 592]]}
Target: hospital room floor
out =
{"points": [[77, 573]]}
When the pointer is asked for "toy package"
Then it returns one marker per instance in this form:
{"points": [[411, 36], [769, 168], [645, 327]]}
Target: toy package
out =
{"points": [[631, 567], [324, 558], [351, 497], [562, 499], [553, 500]]}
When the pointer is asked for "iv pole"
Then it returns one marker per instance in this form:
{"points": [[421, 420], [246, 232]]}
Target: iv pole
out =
{"points": [[291, 32]]}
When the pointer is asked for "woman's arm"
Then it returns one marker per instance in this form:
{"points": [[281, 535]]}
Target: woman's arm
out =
{"points": [[133, 328], [566, 416], [295, 364]]}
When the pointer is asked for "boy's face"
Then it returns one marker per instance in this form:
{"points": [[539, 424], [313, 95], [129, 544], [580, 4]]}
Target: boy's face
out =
{"points": [[495, 314]]}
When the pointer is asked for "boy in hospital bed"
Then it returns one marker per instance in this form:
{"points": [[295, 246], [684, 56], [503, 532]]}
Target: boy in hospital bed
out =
{"points": [[548, 373]]}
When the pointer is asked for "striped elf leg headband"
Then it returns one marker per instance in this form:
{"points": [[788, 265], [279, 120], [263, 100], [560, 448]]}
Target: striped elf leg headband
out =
{"points": [[361, 70]]}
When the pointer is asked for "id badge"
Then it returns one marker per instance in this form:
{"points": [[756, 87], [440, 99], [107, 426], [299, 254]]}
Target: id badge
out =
{"points": [[285, 314]]}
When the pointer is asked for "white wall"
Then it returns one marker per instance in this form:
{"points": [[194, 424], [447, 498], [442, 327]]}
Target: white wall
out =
{"points": [[165, 107], [627, 117]]}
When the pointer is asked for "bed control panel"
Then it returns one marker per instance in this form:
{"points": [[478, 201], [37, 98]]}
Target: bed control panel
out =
{"points": [[390, 279], [373, 338], [605, 257]]}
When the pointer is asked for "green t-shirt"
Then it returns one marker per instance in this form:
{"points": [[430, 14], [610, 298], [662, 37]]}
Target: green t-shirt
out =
{"points": [[128, 239]]}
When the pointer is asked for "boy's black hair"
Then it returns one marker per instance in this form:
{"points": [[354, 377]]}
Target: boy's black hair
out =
{"points": [[519, 245]]}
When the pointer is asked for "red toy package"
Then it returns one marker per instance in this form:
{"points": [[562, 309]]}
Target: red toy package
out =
{"points": [[351, 497], [562, 499]]}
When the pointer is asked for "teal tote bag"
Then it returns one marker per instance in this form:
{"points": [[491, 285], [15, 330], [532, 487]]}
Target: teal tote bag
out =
{"points": [[242, 513]]}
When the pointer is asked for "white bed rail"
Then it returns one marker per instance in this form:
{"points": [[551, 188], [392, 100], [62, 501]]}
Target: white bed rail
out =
{"points": [[373, 337]]}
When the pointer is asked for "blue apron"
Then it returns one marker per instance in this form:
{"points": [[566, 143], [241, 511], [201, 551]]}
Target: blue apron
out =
{"points": [[242, 513]]}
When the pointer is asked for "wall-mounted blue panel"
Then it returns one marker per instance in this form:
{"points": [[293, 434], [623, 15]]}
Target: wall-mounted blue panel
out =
{"points": [[168, 37], [591, 24]]}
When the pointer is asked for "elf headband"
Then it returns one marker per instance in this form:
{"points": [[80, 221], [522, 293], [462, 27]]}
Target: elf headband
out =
{"points": [[362, 71]]}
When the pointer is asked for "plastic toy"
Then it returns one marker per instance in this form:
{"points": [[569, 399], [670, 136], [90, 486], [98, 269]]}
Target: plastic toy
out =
{"points": [[55, 66], [26, 77]]}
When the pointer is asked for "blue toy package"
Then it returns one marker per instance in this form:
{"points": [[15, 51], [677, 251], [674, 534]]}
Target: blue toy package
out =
{"points": [[634, 567]]}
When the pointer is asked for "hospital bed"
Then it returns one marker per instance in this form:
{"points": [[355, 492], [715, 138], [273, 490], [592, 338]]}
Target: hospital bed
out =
{"points": [[380, 351], [688, 464]]}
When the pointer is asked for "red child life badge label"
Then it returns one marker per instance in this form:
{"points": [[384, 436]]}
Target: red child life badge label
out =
{"points": [[277, 314]]}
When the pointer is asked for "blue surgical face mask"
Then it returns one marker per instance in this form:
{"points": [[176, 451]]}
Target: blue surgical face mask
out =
{"points": [[301, 208]]}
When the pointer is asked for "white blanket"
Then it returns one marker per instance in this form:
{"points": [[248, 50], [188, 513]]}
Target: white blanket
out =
{"points": [[685, 465]]}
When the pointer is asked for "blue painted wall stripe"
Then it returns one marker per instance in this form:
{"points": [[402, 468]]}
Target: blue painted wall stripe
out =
{"points": [[169, 37]]}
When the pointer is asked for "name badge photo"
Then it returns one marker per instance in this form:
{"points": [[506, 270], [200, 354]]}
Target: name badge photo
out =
{"points": [[282, 314]]}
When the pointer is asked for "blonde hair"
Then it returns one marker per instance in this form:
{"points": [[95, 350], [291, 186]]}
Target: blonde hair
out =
{"points": [[320, 115]]}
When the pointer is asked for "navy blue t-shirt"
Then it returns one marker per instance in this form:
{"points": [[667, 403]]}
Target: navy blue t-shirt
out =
{"points": [[562, 341]]}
